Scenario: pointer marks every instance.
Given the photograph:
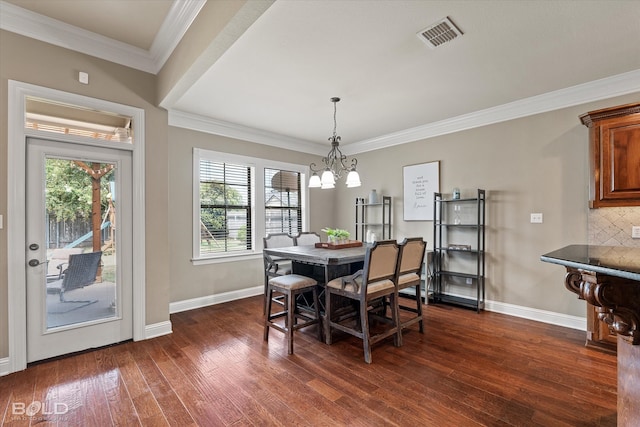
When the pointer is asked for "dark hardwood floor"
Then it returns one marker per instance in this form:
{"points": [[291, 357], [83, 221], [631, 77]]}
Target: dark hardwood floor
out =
{"points": [[467, 369]]}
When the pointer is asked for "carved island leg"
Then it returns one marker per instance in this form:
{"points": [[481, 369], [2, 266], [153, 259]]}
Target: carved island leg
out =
{"points": [[618, 304]]}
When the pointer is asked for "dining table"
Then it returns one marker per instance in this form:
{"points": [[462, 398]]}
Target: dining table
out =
{"points": [[321, 264]]}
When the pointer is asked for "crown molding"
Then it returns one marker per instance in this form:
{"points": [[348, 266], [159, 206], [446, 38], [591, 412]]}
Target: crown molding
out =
{"points": [[29, 24], [609, 87], [175, 25], [204, 124]]}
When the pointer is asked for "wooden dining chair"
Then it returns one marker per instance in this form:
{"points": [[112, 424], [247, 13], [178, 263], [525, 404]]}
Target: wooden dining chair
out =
{"points": [[410, 262], [306, 238], [373, 283], [290, 286], [275, 266]]}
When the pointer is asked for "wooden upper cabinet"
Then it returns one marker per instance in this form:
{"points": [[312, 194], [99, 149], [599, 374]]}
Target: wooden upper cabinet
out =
{"points": [[614, 151]]}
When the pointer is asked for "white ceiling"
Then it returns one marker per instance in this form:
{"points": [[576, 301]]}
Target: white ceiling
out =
{"points": [[515, 58]]}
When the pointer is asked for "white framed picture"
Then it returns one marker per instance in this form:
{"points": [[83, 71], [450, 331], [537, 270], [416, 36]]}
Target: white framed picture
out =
{"points": [[419, 184]]}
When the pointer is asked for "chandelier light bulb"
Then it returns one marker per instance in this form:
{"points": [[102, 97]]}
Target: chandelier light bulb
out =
{"points": [[314, 181], [353, 179], [328, 178]]}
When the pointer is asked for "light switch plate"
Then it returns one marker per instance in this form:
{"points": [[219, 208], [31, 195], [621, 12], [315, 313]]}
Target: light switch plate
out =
{"points": [[635, 232], [536, 218]]}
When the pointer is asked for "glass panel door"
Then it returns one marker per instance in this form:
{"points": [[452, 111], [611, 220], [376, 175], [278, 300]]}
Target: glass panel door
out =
{"points": [[79, 247]]}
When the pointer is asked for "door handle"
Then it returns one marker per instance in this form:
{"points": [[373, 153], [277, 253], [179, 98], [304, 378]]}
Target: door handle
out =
{"points": [[35, 262]]}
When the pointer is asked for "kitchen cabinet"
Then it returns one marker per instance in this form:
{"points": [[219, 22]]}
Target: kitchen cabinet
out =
{"points": [[614, 152]]}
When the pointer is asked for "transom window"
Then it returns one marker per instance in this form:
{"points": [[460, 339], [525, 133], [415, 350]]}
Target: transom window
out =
{"points": [[56, 117]]}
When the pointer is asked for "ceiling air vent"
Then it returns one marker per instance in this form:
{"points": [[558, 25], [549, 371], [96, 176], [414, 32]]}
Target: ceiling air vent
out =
{"points": [[439, 33]]}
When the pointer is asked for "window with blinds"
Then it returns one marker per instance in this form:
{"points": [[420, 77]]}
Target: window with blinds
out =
{"points": [[225, 208], [283, 201], [238, 200]]}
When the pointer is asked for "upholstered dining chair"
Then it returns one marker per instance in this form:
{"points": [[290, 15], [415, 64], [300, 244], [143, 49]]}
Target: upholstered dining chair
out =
{"points": [[410, 261], [306, 238], [275, 266], [375, 281]]}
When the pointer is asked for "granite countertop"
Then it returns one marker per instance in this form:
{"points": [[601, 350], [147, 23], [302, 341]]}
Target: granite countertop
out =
{"points": [[619, 261]]}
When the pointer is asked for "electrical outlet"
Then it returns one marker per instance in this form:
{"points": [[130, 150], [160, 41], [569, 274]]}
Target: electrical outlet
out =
{"points": [[635, 232], [469, 281], [536, 218]]}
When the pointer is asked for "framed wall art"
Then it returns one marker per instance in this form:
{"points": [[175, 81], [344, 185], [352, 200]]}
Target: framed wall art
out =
{"points": [[419, 184]]}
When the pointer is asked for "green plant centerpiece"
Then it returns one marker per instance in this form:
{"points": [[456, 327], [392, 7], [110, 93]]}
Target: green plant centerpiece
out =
{"points": [[336, 235]]}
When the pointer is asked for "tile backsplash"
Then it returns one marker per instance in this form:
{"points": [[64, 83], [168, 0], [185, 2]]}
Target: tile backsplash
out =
{"points": [[612, 226]]}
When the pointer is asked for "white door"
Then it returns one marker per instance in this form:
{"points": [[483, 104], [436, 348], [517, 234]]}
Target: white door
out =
{"points": [[82, 303]]}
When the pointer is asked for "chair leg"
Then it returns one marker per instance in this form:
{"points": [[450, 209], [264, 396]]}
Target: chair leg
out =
{"points": [[267, 312], [291, 309], [364, 320], [266, 291], [395, 315], [327, 316], [419, 307], [317, 312]]}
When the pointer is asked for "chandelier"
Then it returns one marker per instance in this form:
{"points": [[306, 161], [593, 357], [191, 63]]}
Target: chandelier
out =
{"points": [[334, 163]]}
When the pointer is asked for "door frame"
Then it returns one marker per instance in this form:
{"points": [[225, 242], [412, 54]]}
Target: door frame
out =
{"points": [[16, 183]]}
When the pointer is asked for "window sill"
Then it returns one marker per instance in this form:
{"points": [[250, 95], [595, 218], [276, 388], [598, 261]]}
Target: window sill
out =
{"points": [[226, 258]]}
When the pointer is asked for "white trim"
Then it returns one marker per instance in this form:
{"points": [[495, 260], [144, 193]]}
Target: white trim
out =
{"points": [[16, 258], [194, 303], [226, 258], [609, 87], [544, 316], [232, 130], [4, 366], [158, 329], [175, 25], [30, 24]]}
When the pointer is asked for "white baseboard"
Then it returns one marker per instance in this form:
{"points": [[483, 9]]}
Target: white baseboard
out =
{"points": [[190, 304], [4, 366], [157, 329], [559, 319]]}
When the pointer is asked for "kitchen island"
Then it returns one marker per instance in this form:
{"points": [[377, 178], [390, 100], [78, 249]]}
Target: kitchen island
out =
{"points": [[608, 277]]}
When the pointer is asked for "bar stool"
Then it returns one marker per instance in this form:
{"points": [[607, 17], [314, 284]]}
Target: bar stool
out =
{"points": [[291, 285]]}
